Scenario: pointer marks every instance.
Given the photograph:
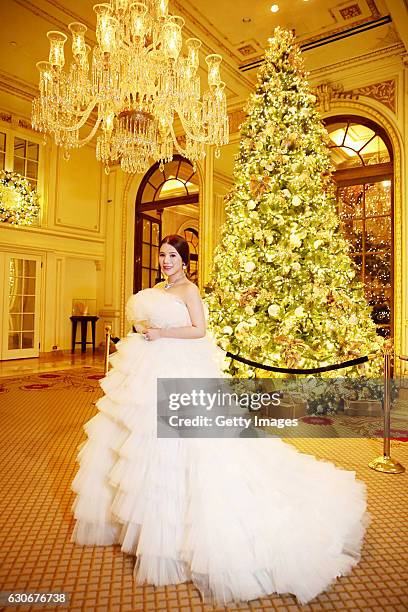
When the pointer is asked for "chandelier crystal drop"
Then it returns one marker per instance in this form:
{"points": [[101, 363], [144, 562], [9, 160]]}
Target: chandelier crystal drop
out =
{"points": [[132, 87]]}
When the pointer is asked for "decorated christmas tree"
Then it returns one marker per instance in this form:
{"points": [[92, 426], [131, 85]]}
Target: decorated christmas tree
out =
{"points": [[284, 290]]}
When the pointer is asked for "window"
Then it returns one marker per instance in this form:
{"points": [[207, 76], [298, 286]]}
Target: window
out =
{"points": [[21, 155], [177, 180], [354, 144], [362, 157], [150, 251], [22, 281], [25, 159]]}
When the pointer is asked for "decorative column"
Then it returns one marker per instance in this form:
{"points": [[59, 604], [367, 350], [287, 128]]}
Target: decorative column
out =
{"points": [[207, 238], [109, 288], [404, 216]]}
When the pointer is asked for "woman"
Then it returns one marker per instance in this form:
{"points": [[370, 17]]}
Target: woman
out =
{"points": [[241, 518]]}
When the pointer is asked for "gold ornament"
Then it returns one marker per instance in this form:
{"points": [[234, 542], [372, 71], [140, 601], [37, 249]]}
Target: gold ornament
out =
{"points": [[260, 185], [248, 296]]}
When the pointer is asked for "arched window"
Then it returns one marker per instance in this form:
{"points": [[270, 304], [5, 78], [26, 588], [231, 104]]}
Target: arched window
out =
{"points": [[363, 160], [191, 235], [166, 200]]}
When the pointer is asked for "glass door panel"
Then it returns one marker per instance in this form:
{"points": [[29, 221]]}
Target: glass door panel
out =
{"points": [[20, 332], [148, 233], [365, 212]]}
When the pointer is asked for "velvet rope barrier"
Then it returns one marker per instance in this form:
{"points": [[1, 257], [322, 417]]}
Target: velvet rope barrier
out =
{"points": [[336, 366]]}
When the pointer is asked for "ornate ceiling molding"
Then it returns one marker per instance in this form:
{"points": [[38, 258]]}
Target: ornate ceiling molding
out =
{"points": [[383, 92], [70, 13], [17, 87], [6, 117], [210, 34], [339, 28], [366, 58], [52, 19], [39, 12], [231, 58], [327, 92]]}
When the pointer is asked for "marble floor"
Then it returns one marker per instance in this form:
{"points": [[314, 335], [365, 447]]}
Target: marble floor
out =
{"points": [[43, 414], [48, 362]]}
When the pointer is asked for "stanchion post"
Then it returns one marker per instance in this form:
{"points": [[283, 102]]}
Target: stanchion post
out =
{"points": [[385, 463], [108, 333]]}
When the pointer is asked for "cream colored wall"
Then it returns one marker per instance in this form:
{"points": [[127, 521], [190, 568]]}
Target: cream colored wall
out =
{"points": [[80, 283], [71, 236]]}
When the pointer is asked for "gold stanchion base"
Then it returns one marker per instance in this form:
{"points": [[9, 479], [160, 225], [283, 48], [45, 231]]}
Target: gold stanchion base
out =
{"points": [[387, 465]]}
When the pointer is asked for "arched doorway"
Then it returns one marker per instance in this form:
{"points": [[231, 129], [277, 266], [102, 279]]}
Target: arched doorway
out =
{"points": [[363, 160], [166, 203]]}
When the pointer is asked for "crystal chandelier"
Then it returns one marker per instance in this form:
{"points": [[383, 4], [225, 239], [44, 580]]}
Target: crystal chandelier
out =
{"points": [[138, 83]]}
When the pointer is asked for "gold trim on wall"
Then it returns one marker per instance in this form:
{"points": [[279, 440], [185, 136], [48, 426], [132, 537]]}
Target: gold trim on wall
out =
{"points": [[123, 263], [384, 92]]}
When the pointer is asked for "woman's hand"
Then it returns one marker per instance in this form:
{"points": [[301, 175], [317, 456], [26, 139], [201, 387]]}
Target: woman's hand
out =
{"points": [[140, 325], [152, 333]]}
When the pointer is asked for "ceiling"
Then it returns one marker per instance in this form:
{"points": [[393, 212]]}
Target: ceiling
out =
{"points": [[328, 31]]}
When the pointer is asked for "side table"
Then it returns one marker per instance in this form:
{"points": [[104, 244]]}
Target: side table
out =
{"points": [[83, 320]]}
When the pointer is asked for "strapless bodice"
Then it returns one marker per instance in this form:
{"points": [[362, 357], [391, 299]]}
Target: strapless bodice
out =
{"points": [[158, 308]]}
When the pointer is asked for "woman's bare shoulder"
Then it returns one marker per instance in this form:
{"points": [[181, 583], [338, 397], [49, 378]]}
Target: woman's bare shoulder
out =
{"points": [[190, 289]]}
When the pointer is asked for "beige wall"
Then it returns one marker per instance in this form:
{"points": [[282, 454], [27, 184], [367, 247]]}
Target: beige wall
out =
{"points": [[71, 235]]}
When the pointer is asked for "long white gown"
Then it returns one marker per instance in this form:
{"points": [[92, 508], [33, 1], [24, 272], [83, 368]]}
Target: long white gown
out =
{"points": [[242, 518]]}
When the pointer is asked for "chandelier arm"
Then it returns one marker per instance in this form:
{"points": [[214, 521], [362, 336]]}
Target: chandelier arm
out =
{"points": [[91, 134], [179, 149], [203, 139], [85, 117]]}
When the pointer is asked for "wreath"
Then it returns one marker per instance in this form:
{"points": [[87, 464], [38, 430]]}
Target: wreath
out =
{"points": [[18, 200]]}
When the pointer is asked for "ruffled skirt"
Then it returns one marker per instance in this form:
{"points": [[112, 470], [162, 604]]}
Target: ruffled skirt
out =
{"points": [[242, 518]]}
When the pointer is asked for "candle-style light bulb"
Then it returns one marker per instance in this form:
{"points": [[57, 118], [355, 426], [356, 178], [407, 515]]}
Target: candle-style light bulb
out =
{"points": [[78, 38], [57, 42], [162, 8], [171, 40], [193, 46], [138, 11], [213, 62]]}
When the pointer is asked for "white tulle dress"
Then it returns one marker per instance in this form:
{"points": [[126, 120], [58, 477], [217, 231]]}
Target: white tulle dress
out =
{"points": [[241, 518]]}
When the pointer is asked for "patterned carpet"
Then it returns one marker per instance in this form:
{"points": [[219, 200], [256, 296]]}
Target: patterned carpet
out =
{"points": [[41, 427]]}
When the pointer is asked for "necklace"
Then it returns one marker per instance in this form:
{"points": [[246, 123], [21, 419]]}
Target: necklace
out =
{"points": [[169, 285]]}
